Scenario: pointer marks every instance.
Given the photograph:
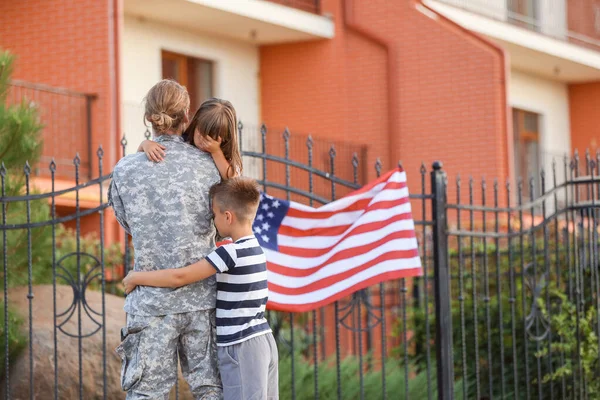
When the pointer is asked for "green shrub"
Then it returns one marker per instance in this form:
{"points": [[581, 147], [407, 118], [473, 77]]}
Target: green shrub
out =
{"points": [[577, 341], [16, 338], [349, 371]]}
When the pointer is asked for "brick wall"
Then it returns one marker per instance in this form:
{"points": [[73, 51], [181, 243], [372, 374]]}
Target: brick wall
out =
{"points": [[71, 45], [447, 99], [448, 90]]}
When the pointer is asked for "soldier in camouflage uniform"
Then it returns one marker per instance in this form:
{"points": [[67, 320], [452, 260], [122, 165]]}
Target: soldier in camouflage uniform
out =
{"points": [[165, 208]]}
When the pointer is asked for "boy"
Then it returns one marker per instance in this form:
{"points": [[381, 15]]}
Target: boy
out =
{"points": [[247, 352]]}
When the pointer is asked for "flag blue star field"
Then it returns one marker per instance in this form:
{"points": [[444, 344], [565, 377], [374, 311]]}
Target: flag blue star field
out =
{"points": [[318, 255]]}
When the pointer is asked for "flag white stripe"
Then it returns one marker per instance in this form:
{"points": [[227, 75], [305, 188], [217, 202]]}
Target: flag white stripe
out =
{"points": [[334, 268], [325, 293], [384, 195], [346, 218], [355, 240], [397, 177], [321, 242], [303, 263]]}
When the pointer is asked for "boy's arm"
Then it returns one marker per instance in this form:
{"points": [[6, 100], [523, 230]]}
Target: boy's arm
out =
{"points": [[174, 277]]}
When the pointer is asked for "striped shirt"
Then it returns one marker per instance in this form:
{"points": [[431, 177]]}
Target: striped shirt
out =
{"points": [[242, 290]]}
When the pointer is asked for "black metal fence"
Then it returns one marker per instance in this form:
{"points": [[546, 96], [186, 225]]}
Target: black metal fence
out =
{"points": [[507, 307]]}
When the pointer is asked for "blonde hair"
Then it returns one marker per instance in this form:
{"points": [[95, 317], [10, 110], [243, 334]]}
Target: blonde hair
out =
{"points": [[216, 118], [167, 105]]}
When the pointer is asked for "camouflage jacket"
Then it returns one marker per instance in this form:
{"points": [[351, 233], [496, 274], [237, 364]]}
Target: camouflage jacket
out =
{"points": [[165, 207]]}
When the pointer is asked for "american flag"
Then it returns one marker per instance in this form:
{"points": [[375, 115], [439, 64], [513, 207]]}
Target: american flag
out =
{"points": [[318, 255]]}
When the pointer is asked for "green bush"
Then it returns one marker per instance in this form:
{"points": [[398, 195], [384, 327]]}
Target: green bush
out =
{"points": [[577, 341], [16, 339], [349, 371], [498, 334]]}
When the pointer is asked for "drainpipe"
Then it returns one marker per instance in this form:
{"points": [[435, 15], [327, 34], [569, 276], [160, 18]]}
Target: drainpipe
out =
{"points": [[353, 24], [504, 72]]}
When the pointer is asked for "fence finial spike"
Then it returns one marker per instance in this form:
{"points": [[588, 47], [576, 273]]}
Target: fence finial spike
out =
{"points": [[100, 152], [240, 125], [332, 152], [355, 160], [52, 165], [2, 169], [309, 142], [77, 159], [124, 140], [27, 168], [286, 133]]}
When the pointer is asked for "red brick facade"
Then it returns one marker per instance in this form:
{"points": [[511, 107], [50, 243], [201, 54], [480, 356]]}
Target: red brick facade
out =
{"points": [[71, 45], [400, 80], [409, 84]]}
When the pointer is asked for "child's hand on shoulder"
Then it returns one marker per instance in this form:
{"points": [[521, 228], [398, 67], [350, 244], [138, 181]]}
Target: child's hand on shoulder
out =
{"points": [[154, 151], [209, 145], [129, 282]]}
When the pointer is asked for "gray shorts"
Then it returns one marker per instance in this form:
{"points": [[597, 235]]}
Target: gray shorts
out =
{"points": [[249, 370], [149, 349]]}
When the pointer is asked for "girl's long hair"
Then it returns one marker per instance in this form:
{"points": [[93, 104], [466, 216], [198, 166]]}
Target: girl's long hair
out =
{"points": [[216, 118]]}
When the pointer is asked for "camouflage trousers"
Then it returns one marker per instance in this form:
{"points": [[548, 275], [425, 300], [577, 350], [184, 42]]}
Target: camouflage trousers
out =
{"points": [[149, 348]]}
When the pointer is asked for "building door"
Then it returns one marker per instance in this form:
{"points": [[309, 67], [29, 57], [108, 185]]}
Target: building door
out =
{"points": [[193, 73], [527, 148]]}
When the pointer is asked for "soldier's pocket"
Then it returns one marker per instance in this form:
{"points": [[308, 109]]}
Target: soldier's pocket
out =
{"points": [[132, 366]]}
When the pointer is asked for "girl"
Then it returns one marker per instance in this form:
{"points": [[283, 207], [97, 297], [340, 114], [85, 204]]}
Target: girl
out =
{"points": [[213, 130]]}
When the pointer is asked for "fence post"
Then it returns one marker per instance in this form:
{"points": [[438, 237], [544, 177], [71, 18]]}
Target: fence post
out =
{"points": [[443, 312]]}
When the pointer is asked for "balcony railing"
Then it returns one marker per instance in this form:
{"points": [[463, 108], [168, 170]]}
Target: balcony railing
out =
{"points": [[311, 6], [576, 21], [66, 117]]}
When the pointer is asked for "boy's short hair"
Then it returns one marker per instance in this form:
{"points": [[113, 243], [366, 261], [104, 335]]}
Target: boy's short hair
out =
{"points": [[240, 195]]}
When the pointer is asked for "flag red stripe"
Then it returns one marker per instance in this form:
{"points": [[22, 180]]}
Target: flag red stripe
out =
{"points": [[405, 273], [358, 205], [330, 280], [342, 255], [372, 226], [383, 178], [335, 230]]}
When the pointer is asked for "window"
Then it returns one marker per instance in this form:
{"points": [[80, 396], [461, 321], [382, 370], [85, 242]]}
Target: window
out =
{"points": [[527, 149], [524, 13], [193, 73]]}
